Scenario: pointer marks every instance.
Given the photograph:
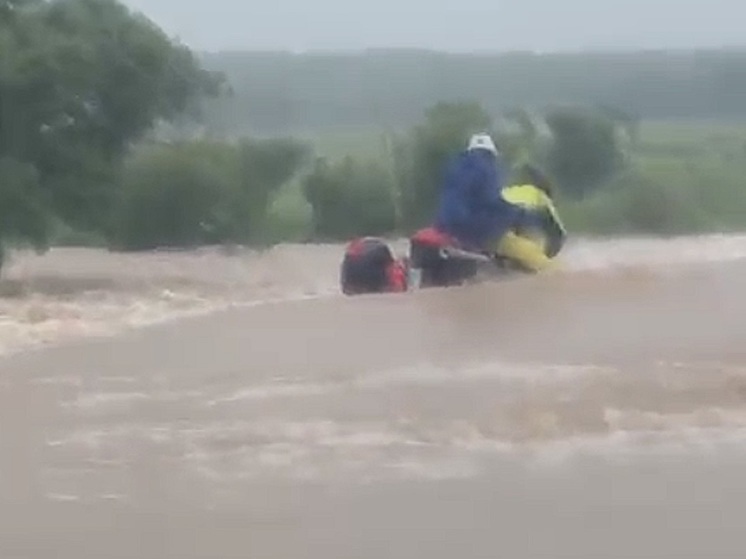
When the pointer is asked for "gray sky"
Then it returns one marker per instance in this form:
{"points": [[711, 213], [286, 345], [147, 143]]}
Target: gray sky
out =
{"points": [[457, 25]]}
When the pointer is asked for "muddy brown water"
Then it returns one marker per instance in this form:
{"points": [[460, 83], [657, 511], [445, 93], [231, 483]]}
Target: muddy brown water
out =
{"points": [[208, 405]]}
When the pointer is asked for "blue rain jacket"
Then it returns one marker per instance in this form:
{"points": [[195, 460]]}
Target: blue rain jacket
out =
{"points": [[471, 207]]}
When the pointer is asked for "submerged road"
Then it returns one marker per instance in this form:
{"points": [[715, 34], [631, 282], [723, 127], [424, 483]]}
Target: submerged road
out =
{"points": [[592, 414]]}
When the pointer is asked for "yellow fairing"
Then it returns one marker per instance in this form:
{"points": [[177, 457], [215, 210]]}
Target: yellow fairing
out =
{"points": [[528, 196], [530, 248], [528, 252]]}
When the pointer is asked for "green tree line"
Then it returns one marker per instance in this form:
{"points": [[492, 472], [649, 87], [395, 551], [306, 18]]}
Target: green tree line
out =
{"points": [[87, 88], [284, 92], [80, 82]]}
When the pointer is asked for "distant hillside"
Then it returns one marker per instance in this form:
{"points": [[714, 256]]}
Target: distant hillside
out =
{"points": [[282, 92]]}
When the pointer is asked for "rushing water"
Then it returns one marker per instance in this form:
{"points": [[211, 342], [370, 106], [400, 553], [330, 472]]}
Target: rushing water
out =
{"points": [[287, 421], [71, 293]]}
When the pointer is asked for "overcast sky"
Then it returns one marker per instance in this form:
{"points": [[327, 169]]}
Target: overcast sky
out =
{"points": [[457, 25]]}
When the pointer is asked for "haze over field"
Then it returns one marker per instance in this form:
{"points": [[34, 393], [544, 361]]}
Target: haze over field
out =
{"points": [[494, 25]]}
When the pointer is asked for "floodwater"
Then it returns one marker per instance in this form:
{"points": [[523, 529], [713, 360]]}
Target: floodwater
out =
{"points": [[201, 404]]}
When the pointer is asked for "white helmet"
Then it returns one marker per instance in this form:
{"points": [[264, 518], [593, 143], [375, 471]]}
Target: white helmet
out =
{"points": [[482, 141]]}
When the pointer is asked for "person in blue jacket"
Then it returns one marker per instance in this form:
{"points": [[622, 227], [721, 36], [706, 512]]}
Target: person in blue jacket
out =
{"points": [[471, 208]]}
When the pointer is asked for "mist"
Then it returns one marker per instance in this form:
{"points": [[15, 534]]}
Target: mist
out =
{"points": [[477, 25]]}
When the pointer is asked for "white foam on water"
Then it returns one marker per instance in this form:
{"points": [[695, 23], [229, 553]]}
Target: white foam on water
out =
{"points": [[413, 428], [429, 373], [107, 399], [230, 451], [589, 254], [424, 374], [63, 498], [70, 293], [272, 391], [542, 411]]}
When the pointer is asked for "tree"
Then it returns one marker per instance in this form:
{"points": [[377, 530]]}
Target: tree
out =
{"points": [[80, 82], [584, 150], [445, 131], [23, 212], [192, 193], [169, 196], [350, 198], [629, 122], [261, 167], [521, 136]]}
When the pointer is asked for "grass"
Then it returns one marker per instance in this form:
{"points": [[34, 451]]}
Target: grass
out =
{"points": [[359, 143], [654, 134]]}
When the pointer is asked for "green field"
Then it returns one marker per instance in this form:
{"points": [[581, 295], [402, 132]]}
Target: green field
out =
{"points": [[690, 177], [656, 135]]}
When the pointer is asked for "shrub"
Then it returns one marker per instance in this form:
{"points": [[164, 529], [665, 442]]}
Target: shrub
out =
{"points": [[201, 192], [350, 198], [584, 151], [652, 197], [24, 215]]}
